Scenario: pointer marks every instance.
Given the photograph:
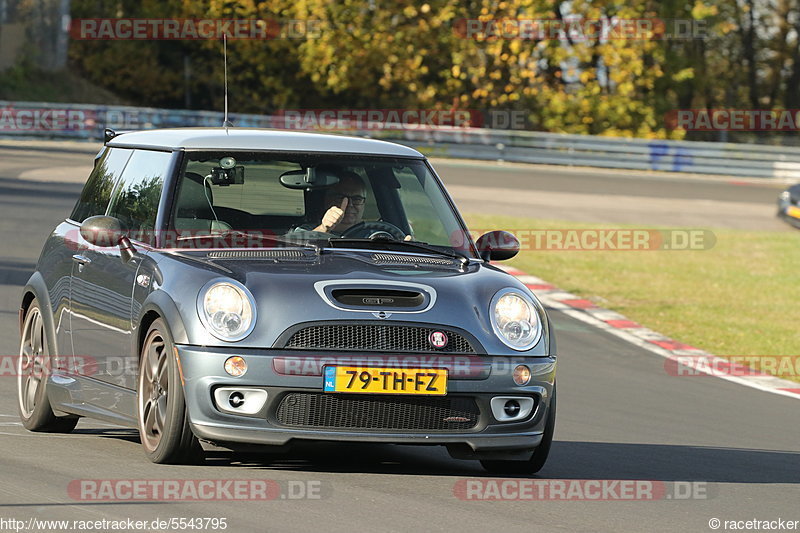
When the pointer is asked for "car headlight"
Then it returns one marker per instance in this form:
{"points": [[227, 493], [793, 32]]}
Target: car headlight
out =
{"points": [[227, 310], [515, 319]]}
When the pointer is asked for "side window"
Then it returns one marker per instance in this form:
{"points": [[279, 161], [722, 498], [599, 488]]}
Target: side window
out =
{"points": [[97, 191], [136, 198]]}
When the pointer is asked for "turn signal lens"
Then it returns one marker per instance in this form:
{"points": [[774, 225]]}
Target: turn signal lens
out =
{"points": [[236, 366], [522, 375]]}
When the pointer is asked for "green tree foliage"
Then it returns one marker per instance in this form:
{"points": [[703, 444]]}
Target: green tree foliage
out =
{"points": [[393, 54]]}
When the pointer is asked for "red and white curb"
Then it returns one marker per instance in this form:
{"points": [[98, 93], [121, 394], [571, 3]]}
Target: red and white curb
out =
{"points": [[617, 324]]}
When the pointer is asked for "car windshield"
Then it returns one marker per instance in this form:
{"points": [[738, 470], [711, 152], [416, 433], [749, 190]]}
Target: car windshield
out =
{"points": [[306, 199]]}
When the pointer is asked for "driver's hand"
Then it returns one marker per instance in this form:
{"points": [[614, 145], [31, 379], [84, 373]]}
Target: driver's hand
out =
{"points": [[332, 217], [409, 238]]}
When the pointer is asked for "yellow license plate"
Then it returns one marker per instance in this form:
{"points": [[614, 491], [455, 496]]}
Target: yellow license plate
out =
{"points": [[427, 381], [793, 211]]}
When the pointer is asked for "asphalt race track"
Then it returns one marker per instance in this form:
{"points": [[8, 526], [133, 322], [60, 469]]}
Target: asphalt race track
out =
{"points": [[621, 416]]}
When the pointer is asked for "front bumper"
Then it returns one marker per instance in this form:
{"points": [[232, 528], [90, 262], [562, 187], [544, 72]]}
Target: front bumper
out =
{"points": [[789, 212], [283, 372]]}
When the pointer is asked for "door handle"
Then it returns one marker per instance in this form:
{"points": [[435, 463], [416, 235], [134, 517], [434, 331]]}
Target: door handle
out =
{"points": [[81, 259]]}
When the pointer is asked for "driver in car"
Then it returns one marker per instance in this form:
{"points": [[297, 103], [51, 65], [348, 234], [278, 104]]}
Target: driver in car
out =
{"points": [[345, 204]]}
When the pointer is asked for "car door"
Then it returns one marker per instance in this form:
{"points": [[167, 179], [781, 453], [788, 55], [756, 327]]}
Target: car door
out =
{"points": [[103, 282], [94, 200]]}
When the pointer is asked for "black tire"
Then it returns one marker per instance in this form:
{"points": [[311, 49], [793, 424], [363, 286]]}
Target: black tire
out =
{"points": [[162, 419], [33, 371], [539, 457]]}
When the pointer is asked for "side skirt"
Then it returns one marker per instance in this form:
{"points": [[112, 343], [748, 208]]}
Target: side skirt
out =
{"points": [[84, 396]]}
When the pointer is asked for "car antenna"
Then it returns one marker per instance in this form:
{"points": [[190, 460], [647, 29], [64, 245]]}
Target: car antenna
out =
{"points": [[225, 123]]}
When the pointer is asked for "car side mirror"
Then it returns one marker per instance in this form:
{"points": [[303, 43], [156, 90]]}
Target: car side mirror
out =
{"points": [[497, 246], [102, 231], [106, 232]]}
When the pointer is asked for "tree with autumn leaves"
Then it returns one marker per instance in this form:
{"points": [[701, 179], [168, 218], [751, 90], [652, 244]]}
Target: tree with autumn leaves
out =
{"points": [[400, 54]]}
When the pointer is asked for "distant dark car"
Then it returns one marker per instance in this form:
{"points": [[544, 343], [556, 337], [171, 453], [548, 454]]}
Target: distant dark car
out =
{"points": [[789, 205], [248, 287]]}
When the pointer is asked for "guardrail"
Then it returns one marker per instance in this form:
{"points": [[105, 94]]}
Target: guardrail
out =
{"points": [[77, 121]]}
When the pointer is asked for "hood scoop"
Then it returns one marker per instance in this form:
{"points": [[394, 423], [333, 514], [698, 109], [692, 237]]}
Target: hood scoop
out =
{"points": [[363, 298], [375, 296]]}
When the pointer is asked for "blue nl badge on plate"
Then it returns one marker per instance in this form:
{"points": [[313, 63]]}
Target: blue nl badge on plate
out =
{"points": [[330, 379]]}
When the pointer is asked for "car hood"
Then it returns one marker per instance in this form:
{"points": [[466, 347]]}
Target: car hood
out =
{"points": [[293, 286]]}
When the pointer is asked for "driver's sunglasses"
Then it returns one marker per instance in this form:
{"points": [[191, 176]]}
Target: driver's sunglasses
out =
{"points": [[355, 199]]}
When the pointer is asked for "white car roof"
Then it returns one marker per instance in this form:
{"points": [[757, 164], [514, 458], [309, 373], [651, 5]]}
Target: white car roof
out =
{"points": [[256, 139]]}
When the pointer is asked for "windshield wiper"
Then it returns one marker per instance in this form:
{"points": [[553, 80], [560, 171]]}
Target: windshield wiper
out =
{"points": [[263, 237], [381, 244]]}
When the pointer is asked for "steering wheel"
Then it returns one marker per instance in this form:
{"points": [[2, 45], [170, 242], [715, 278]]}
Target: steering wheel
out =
{"points": [[374, 230]]}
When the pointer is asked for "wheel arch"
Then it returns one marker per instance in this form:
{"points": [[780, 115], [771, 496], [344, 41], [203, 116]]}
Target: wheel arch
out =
{"points": [[37, 289], [27, 299], [160, 305]]}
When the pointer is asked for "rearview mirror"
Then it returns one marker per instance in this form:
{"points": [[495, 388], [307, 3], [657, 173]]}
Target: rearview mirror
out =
{"points": [[497, 246], [310, 178]]}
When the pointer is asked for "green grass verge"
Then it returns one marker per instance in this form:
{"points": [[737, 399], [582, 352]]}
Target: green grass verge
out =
{"points": [[738, 298]]}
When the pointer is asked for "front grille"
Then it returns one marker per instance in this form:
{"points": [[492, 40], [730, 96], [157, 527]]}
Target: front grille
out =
{"points": [[348, 411], [375, 337]]}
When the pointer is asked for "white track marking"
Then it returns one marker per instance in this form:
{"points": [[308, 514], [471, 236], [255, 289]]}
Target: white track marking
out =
{"points": [[640, 336]]}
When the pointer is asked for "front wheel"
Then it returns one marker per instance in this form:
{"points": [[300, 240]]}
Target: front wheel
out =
{"points": [[33, 370], [539, 457], [161, 407]]}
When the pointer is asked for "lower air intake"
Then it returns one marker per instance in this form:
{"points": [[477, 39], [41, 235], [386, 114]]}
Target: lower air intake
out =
{"points": [[348, 411]]}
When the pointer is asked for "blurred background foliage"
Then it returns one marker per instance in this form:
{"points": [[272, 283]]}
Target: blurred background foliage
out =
{"points": [[398, 54]]}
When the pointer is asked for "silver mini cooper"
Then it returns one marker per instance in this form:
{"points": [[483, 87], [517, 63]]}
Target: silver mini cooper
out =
{"points": [[250, 287]]}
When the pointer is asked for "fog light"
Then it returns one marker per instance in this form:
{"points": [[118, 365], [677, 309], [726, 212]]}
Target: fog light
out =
{"points": [[236, 399], [511, 408], [236, 366], [522, 375], [243, 401]]}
